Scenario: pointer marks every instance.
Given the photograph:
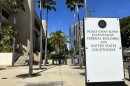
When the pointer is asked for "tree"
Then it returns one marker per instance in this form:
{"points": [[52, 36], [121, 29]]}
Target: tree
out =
{"points": [[50, 46], [58, 40], [73, 5], [41, 37], [15, 5], [125, 31], [125, 24], [6, 39], [48, 5]]}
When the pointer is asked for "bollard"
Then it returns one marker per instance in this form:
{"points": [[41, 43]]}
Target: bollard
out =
{"points": [[129, 71]]}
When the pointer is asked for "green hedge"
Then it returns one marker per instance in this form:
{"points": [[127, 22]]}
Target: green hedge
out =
{"points": [[56, 56]]}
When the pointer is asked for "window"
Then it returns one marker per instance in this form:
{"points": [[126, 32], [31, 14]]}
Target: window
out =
{"points": [[5, 14]]}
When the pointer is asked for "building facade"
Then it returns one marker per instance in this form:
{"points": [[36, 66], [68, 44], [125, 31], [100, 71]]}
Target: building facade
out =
{"points": [[44, 26], [76, 34], [20, 20], [71, 34]]}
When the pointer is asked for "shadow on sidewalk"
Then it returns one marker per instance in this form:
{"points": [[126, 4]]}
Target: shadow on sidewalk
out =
{"points": [[54, 83], [40, 69], [78, 68], [2, 68], [17, 66], [23, 76], [82, 74]]}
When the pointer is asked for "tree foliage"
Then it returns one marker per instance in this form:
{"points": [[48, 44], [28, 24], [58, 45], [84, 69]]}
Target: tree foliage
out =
{"points": [[6, 39], [71, 4], [15, 4], [48, 4], [58, 40], [125, 31], [125, 24]]}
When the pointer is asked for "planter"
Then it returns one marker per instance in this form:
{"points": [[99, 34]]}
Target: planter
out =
{"points": [[6, 59]]}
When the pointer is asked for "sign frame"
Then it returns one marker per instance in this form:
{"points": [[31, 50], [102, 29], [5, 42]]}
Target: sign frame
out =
{"points": [[106, 82]]}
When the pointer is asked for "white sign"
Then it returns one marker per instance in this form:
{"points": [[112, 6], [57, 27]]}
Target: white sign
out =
{"points": [[103, 51]]}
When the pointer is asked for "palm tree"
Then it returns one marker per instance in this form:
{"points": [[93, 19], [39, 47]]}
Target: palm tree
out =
{"points": [[73, 5], [57, 39], [48, 5]]}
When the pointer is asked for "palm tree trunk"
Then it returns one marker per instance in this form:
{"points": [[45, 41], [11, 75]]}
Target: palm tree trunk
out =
{"points": [[59, 53], [14, 41], [40, 63], [74, 38], [46, 38], [80, 63], [31, 6], [13, 51]]}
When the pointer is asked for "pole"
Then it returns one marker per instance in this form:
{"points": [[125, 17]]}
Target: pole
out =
{"points": [[86, 8], [31, 6], [40, 63]]}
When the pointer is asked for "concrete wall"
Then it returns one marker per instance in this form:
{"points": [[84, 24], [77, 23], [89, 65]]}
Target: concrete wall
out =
{"points": [[71, 34], [22, 26], [6, 59]]}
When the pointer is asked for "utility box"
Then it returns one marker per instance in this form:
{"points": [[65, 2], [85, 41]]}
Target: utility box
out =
{"points": [[103, 52]]}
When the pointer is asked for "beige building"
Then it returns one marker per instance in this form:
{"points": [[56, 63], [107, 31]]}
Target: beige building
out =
{"points": [[44, 26], [21, 21]]}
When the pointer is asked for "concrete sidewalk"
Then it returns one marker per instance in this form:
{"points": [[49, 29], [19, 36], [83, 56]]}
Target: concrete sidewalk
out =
{"points": [[51, 75]]}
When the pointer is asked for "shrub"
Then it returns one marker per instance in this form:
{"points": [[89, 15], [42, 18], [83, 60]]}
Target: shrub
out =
{"points": [[6, 39], [49, 56]]}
